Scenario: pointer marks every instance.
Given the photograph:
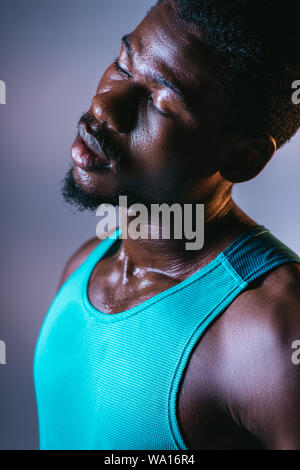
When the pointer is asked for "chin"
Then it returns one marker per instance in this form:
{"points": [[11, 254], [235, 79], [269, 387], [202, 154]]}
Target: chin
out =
{"points": [[104, 182], [83, 190]]}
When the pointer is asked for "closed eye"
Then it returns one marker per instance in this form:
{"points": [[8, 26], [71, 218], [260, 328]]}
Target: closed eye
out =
{"points": [[150, 97], [119, 68], [152, 103]]}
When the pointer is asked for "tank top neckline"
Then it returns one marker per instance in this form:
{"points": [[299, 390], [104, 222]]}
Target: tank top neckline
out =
{"points": [[113, 238]]}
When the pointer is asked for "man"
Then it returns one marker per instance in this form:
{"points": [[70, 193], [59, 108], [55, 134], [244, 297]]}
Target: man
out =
{"points": [[148, 345]]}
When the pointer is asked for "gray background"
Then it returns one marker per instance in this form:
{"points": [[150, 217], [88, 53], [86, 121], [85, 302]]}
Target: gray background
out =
{"points": [[52, 54]]}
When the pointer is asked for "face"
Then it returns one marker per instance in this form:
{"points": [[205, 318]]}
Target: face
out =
{"points": [[156, 126]]}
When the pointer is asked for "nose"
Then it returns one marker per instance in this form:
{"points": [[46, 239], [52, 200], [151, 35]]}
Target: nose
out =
{"points": [[118, 107]]}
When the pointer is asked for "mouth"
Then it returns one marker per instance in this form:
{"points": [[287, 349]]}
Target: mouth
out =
{"points": [[87, 152]]}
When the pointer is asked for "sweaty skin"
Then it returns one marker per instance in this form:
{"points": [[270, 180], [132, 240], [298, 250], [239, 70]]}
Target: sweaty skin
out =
{"points": [[240, 389]]}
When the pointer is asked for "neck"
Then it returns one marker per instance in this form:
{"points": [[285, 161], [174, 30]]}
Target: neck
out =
{"points": [[223, 221]]}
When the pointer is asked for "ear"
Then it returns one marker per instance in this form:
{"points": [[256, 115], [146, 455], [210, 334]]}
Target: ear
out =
{"points": [[247, 158]]}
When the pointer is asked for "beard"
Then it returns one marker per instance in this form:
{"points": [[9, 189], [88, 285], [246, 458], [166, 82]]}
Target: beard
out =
{"points": [[74, 195], [136, 193]]}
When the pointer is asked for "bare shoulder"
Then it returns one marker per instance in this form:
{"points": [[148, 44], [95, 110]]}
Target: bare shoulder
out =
{"points": [[254, 343], [261, 324], [272, 303], [268, 307], [80, 256]]}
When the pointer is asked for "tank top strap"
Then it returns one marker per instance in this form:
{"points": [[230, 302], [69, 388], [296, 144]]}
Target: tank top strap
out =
{"points": [[256, 252]]}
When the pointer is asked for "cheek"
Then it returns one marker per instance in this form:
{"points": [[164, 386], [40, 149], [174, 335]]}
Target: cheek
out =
{"points": [[198, 151], [170, 145], [157, 145], [164, 146]]}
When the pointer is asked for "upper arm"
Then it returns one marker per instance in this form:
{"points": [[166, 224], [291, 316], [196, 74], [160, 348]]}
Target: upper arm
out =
{"points": [[262, 381], [278, 422]]}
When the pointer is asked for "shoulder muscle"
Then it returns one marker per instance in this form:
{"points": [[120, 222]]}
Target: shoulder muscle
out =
{"points": [[257, 379]]}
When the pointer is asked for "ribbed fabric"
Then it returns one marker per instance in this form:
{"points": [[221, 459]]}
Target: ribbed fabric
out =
{"points": [[110, 381]]}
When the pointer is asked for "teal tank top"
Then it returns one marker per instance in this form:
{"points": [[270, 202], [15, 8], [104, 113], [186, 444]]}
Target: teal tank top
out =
{"points": [[110, 381]]}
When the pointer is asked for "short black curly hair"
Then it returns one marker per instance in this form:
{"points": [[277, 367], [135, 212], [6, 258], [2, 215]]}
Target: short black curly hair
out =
{"points": [[260, 42]]}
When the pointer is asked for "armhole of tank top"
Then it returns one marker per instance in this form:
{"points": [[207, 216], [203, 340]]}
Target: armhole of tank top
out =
{"points": [[192, 341], [242, 282]]}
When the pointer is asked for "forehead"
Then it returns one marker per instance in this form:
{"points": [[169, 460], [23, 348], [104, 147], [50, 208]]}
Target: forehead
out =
{"points": [[162, 41]]}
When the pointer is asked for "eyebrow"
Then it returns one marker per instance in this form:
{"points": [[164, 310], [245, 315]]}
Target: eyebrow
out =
{"points": [[127, 43], [155, 76]]}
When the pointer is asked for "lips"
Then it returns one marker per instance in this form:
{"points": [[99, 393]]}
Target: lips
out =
{"points": [[87, 153]]}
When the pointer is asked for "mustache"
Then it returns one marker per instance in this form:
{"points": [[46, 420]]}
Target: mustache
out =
{"points": [[101, 134]]}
